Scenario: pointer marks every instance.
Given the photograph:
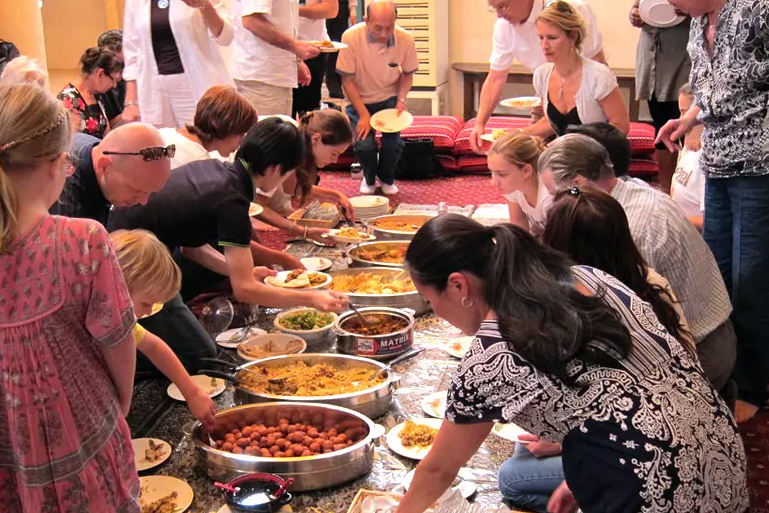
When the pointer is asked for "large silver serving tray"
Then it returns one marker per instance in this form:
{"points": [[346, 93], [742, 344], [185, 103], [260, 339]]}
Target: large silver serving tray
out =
{"points": [[355, 259], [410, 300], [372, 402], [382, 234], [311, 472]]}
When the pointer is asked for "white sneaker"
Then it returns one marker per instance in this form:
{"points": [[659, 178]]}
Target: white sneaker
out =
{"points": [[389, 190], [366, 188]]}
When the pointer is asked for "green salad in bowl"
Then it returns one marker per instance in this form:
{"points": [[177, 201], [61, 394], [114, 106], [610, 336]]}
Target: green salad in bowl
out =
{"points": [[310, 324]]}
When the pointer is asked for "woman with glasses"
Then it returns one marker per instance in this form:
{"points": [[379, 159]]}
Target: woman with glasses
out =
{"points": [[100, 70], [66, 320], [574, 90], [173, 54], [571, 355]]}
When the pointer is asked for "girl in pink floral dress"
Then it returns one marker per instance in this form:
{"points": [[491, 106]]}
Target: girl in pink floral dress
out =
{"points": [[66, 353]]}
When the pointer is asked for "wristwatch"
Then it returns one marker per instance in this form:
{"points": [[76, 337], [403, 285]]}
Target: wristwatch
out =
{"points": [[401, 100]]}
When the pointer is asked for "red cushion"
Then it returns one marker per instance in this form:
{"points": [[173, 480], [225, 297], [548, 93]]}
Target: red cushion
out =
{"points": [[441, 129], [462, 142], [473, 165], [644, 167], [641, 137], [449, 162]]}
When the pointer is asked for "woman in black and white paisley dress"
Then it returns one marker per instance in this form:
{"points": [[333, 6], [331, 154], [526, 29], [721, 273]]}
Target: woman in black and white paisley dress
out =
{"points": [[573, 356]]}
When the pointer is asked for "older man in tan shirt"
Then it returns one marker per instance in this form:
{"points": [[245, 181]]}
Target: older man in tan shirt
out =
{"points": [[377, 70]]}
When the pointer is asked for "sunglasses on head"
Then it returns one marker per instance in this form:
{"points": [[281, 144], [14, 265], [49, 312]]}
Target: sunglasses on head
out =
{"points": [[149, 154]]}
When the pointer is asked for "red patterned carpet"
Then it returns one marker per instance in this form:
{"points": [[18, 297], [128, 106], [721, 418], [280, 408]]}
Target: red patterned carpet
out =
{"points": [[471, 189]]}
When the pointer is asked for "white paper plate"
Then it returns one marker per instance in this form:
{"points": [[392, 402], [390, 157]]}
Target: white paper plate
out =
{"points": [[327, 49], [369, 202], [509, 432], [435, 404], [316, 263], [466, 485], [255, 209], [522, 102], [388, 121], [279, 341], [141, 445], [223, 338], [659, 13], [280, 279], [204, 382], [459, 346], [333, 235], [488, 138], [329, 245], [415, 453], [154, 488]]}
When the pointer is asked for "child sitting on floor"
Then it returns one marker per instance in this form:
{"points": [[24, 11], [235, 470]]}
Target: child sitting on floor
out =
{"points": [[152, 278]]}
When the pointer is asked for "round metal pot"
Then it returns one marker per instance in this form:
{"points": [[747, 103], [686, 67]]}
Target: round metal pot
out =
{"points": [[378, 347], [410, 300], [311, 472], [373, 402], [383, 234], [354, 258]]}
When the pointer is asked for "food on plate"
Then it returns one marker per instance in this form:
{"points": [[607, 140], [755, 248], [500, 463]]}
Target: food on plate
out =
{"points": [[313, 380], [385, 256], [323, 44], [370, 283], [351, 233], [155, 451], [270, 348], [287, 439], [439, 405], [498, 132], [377, 325], [399, 226], [524, 102], [459, 347], [300, 278], [417, 435], [306, 321], [165, 504], [214, 385], [379, 124]]}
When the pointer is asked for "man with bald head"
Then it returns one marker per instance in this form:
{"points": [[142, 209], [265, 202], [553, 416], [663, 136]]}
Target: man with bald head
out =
{"points": [[122, 170], [377, 70]]}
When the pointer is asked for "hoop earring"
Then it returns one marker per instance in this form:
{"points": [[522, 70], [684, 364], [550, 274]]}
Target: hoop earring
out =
{"points": [[467, 303]]}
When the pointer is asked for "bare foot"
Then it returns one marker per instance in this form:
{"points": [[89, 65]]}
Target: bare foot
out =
{"points": [[743, 411]]}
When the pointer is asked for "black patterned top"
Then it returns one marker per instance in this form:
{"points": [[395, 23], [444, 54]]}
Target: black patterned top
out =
{"points": [[93, 119], [732, 89], [651, 435]]}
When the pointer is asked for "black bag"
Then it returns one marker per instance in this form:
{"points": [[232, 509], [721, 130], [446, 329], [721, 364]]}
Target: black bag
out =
{"points": [[8, 52], [418, 161]]}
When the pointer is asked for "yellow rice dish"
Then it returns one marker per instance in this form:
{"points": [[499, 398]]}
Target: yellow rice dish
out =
{"points": [[370, 283], [301, 379]]}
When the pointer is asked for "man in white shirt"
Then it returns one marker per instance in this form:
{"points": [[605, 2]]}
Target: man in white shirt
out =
{"points": [[267, 54], [515, 38]]}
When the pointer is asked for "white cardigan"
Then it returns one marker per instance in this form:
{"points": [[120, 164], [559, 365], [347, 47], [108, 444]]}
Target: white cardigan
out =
{"points": [[597, 82], [198, 50]]}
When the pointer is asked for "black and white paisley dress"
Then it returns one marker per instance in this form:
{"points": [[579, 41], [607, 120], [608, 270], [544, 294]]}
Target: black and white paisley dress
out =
{"points": [[649, 436]]}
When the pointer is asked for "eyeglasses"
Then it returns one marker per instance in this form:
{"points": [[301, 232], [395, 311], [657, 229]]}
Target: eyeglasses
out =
{"points": [[149, 154]]}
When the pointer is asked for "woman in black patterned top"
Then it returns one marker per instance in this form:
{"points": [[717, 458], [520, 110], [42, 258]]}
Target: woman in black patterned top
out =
{"points": [[573, 356], [101, 70]]}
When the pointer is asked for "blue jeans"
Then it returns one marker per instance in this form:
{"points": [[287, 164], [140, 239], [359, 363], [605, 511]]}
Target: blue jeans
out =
{"points": [[377, 164], [737, 231], [528, 482]]}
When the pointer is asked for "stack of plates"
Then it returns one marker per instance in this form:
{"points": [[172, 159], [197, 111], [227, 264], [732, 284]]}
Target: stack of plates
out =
{"points": [[368, 207]]}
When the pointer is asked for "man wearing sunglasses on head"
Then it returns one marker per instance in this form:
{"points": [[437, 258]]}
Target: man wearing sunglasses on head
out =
{"points": [[516, 39], [131, 163]]}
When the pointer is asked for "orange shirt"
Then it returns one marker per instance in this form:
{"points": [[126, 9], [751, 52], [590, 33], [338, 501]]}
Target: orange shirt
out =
{"points": [[377, 67]]}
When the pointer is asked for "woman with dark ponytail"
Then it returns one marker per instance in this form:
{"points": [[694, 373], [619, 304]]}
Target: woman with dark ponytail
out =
{"points": [[571, 355], [100, 70]]}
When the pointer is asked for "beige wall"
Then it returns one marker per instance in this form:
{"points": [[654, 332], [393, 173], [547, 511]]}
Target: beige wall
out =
{"points": [[70, 27], [471, 27]]}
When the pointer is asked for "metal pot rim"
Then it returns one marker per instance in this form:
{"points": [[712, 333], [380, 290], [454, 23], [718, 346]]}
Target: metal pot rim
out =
{"points": [[376, 309], [196, 428]]}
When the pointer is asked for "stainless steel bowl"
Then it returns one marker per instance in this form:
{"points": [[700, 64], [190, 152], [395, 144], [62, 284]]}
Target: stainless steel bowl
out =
{"points": [[381, 234], [354, 258], [410, 300], [311, 472], [373, 402], [378, 347]]}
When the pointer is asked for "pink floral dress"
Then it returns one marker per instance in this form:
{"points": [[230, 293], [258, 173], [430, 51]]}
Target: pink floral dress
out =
{"points": [[93, 118], [64, 445]]}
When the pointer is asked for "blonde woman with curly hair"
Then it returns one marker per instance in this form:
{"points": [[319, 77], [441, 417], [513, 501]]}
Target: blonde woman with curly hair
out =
{"points": [[67, 360], [574, 90], [513, 164]]}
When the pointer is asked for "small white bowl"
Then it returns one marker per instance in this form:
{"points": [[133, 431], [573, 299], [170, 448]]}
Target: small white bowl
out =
{"points": [[279, 341], [310, 336]]}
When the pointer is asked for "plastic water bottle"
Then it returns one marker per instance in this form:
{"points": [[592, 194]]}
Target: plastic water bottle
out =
{"points": [[443, 208]]}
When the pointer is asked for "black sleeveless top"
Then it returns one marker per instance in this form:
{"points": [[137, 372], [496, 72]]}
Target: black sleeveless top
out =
{"points": [[558, 120]]}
